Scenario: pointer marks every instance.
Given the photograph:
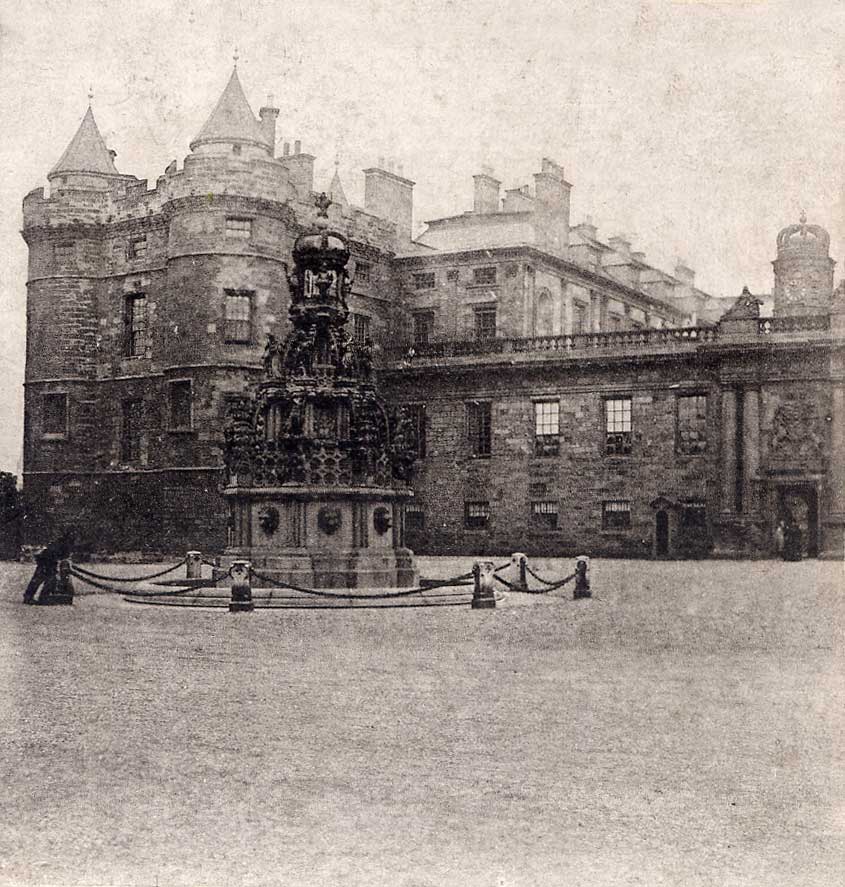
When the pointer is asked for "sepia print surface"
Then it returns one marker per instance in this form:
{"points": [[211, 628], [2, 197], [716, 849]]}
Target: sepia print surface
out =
{"points": [[422, 443]]}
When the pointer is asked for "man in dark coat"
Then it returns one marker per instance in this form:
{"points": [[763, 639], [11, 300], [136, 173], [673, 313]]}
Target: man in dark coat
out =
{"points": [[46, 563]]}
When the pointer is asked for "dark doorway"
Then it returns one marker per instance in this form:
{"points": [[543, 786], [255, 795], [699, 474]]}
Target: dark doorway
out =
{"points": [[801, 504], [661, 534]]}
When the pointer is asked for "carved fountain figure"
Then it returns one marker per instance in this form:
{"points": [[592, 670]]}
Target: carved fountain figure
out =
{"points": [[316, 466]]}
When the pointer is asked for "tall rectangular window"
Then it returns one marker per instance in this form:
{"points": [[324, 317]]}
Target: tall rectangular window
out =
{"points": [[238, 316], [485, 322], [691, 437], [547, 428], [137, 248], [415, 413], [414, 517], [478, 422], [130, 432], [484, 276], [54, 415], [240, 229], [363, 272], [476, 515], [137, 326], [544, 515], [616, 515], [617, 418], [423, 327], [424, 280], [579, 318], [360, 328], [180, 405]]}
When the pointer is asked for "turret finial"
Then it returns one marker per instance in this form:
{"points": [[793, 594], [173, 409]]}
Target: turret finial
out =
{"points": [[90, 94], [235, 55], [803, 218]]}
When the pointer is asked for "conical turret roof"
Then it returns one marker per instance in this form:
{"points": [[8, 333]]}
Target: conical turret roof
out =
{"points": [[336, 190], [232, 119], [87, 152]]}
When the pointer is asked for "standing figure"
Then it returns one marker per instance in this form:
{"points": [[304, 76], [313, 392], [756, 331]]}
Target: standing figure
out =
{"points": [[779, 537], [47, 561]]}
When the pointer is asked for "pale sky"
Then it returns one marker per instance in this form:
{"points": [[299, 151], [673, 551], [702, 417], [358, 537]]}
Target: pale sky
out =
{"points": [[699, 128]]}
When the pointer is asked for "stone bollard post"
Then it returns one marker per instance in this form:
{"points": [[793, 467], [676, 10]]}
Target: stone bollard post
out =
{"points": [[582, 577], [520, 561], [194, 564], [241, 601], [483, 593]]}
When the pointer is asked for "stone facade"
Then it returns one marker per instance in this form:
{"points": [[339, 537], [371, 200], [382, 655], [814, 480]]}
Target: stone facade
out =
{"points": [[670, 426]]}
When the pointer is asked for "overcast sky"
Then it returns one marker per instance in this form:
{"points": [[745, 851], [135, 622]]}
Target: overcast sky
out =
{"points": [[698, 128]]}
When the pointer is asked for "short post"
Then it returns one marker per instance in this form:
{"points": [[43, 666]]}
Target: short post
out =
{"points": [[241, 601], [582, 577], [520, 561], [483, 593], [193, 560]]}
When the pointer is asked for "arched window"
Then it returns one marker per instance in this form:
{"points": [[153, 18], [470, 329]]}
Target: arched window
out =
{"points": [[544, 321]]}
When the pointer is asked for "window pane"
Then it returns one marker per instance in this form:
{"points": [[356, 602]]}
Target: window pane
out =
{"points": [[360, 328], [137, 334], [692, 424], [616, 515], [238, 317], [484, 275], [476, 515], [485, 323], [424, 281], [54, 412], [478, 428], [544, 514], [423, 327], [180, 404], [618, 436]]}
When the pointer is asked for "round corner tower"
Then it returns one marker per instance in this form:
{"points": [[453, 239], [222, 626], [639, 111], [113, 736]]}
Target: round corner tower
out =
{"points": [[803, 270]]}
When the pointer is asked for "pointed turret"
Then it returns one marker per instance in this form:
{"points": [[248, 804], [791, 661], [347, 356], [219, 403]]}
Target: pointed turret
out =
{"points": [[232, 121], [336, 190], [87, 152]]}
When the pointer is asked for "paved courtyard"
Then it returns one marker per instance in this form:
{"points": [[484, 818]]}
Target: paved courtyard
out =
{"points": [[684, 727]]}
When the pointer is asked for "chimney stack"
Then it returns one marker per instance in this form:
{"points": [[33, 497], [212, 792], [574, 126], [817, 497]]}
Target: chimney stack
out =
{"points": [[485, 198], [301, 169], [267, 116], [390, 196], [551, 193]]}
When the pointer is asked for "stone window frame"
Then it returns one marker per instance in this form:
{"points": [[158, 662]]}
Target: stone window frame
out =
{"points": [[416, 413], [681, 449], [171, 427], [546, 444], [238, 330], [484, 331], [137, 342], [55, 435], [417, 523], [362, 328], [428, 316], [617, 441], [486, 275], [545, 514], [363, 272], [478, 416], [580, 310], [424, 280], [136, 247], [616, 507], [476, 514], [239, 227], [131, 437], [453, 275]]}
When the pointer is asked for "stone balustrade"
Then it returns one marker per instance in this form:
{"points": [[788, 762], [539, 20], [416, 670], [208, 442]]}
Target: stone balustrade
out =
{"points": [[586, 342]]}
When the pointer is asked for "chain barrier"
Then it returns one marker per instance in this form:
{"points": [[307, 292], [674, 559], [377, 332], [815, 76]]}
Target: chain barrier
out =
{"points": [[94, 575], [164, 593], [364, 597], [538, 578], [552, 586]]}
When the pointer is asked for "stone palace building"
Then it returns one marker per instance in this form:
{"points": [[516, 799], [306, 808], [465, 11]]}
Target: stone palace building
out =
{"points": [[566, 395]]}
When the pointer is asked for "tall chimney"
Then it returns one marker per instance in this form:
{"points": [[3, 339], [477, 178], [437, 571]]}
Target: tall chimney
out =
{"points": [[551, 192], [268, 115], [485, 197], [390, 196]]}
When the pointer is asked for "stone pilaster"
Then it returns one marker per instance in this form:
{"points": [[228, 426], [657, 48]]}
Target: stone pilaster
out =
{"points": [[750, 449], [728, 450]]}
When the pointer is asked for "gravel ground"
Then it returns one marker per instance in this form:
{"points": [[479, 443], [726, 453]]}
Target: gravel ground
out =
{"points": [[683, 727]]}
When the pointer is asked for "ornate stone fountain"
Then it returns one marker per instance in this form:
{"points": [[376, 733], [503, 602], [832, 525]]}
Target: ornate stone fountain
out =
{"points": [[317, 467]]}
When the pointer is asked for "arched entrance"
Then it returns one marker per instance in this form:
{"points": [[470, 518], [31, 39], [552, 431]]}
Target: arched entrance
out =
{"points": [[661, 533], [800, 504]]}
